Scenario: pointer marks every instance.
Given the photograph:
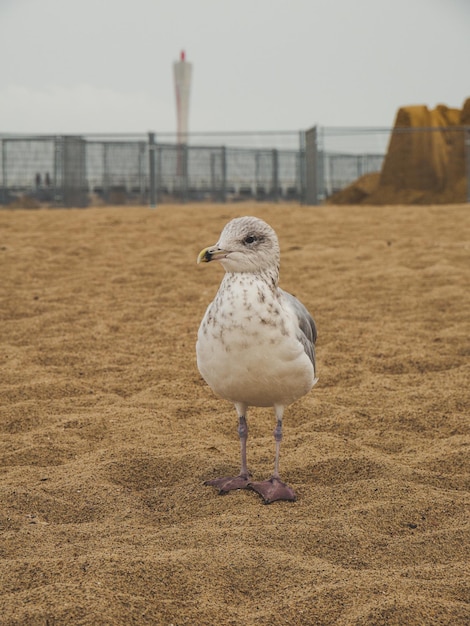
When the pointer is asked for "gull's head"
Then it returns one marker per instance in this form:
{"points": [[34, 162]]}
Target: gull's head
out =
{"points": [[246, 244]]}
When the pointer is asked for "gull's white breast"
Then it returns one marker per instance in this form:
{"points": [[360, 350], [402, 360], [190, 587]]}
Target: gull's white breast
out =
{"points": [[247, 347]]}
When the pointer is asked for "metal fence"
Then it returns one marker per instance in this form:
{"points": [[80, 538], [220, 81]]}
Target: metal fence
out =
{"points": [[310, 167], [43, 169], [117, 169]]}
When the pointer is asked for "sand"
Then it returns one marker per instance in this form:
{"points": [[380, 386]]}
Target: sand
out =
{"points": [[108, 431]]}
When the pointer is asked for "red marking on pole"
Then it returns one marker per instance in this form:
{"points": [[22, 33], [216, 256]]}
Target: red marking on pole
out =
{"points": [[183, 55]]}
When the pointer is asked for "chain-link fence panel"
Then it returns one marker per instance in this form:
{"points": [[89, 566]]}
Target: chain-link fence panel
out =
{"points": [[344, 165], [117, 171], [28, 169]]}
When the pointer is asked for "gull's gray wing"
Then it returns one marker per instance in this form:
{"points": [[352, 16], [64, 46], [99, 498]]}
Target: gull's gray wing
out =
{"points": [[307, 334]]}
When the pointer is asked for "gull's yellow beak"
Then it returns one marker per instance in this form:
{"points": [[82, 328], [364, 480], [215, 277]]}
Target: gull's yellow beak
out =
{"points": [[211, 254]]}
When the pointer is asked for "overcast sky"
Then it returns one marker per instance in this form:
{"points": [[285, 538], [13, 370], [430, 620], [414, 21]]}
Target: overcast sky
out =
{"points": [[70, 66]]}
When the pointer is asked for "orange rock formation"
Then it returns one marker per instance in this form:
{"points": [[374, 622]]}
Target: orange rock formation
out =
{"points": [[425, 161]]}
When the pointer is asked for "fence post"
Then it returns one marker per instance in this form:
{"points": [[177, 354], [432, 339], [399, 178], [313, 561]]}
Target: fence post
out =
{"points": [[105, 172], [141, 170], [159, 149], [4, 173], [185, 172], [58, 182], [213, 176], [275, 175], [74, 184], [301, 167], [311, 167], [224, 174], [152, 185], [467, 160]]}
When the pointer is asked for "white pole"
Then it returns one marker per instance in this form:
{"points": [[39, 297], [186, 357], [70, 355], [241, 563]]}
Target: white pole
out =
{"points": [[182, 71]]}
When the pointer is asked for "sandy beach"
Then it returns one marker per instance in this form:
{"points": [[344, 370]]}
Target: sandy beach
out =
{"points": [[108, 430]]}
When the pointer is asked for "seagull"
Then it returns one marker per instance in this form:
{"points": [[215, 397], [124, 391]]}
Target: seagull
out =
{"points": [[256, 342]]}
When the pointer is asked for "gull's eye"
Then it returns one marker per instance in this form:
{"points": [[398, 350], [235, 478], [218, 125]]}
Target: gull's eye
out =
{"points": [[249, 240]]}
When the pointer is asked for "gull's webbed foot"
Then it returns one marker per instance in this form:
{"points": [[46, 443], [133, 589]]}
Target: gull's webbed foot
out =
{"points": [[272, 490], [229, 483]]}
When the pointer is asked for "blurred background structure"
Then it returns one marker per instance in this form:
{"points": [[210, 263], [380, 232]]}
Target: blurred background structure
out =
{"points": [[424, 158], [149, 168], [182, 71]]}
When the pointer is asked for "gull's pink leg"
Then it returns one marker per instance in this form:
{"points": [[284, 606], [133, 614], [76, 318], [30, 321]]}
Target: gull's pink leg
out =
{"points": [[229, 483], [274, 489]]}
